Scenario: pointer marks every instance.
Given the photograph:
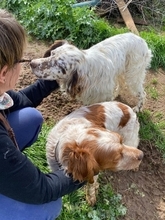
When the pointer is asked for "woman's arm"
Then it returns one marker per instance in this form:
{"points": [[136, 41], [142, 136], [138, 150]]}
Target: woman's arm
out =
{"points": [[22, 181], [32, 95]]}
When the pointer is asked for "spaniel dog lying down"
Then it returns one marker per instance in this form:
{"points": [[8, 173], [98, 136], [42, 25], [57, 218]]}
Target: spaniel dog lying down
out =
{"points": [[98, 137], [96, 74]]}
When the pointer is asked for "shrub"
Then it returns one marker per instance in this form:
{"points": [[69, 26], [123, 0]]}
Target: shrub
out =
{"points": [[51, 20], [156, 43]]}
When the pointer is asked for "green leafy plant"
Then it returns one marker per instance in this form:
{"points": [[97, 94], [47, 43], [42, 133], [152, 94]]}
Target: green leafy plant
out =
{"points": [[51, 20], [156, 43], [17, 6]]}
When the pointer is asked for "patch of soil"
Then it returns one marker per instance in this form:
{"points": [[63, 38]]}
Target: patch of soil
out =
{"points": [[143, 191]]}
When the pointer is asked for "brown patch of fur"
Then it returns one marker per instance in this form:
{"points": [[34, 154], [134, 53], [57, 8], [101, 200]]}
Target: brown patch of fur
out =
{"points": [[126, 115], [96, 115], [93, 132], [80, 161], [108, 159]]}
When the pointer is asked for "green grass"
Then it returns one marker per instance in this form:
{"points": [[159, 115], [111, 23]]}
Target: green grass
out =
{"points": [[152, 129], [36, 153], [152, 92]]}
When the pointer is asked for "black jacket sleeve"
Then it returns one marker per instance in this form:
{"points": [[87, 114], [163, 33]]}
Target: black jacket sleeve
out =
{"points": [[32, 95], [22, 181]]}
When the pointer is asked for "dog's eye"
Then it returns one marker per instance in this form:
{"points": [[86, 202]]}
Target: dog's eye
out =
{"points": [[61, 66]]}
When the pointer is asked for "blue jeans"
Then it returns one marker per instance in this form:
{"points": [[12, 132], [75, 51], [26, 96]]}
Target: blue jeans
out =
{"points": [[27, 123], [14, 210]]}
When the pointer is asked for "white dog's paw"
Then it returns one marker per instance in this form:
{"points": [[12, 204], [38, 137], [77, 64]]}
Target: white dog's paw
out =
{"points": [[137, 109]]}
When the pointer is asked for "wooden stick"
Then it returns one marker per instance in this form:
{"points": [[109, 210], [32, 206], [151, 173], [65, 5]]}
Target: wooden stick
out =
{"points": [[126, 16]]}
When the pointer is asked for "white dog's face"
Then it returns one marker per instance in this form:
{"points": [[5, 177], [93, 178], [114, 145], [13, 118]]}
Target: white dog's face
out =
{"points": [[60, 65]]}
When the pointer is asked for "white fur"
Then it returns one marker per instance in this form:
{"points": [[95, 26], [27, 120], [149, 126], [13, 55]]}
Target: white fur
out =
{"points": [[93, 75]]}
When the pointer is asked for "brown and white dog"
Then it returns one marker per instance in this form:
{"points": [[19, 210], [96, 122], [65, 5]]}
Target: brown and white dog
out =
{"points": [[98, 73], [93, 138]]}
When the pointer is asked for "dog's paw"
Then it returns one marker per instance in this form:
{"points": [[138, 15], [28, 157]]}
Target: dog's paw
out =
{"points": [[136, 109], [91, 200]]}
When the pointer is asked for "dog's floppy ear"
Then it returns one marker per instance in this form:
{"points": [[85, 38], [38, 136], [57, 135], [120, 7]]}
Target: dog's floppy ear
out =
{"points": [[57, 43], [74, 87], [80, 162]]}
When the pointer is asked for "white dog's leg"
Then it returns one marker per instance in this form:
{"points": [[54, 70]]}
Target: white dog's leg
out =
{"points": [[141, 99], [136, 88]]}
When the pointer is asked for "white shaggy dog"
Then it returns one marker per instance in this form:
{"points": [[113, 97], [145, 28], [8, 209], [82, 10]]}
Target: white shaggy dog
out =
{"points": [[94, 138], [93, 75]]}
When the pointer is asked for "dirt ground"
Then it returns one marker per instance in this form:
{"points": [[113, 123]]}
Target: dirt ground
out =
{"points": [[143, 191]]}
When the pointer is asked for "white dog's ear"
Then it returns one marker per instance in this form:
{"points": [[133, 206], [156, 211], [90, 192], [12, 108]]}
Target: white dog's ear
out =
{"points": [[57, 43]]}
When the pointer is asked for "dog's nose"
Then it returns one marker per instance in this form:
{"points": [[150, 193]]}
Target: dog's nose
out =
{"points": [[140, 156]]}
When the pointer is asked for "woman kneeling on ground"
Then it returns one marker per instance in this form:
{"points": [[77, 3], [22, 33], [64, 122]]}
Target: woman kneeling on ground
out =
{"points": [[26, 193]]}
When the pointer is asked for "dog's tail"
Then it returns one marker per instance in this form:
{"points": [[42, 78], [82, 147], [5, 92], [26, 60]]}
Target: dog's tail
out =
{"points": [[80, 162]]}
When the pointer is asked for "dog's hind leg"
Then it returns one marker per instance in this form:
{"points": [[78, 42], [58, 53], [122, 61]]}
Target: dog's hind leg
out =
{"points": [[134, 81]]}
